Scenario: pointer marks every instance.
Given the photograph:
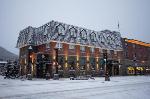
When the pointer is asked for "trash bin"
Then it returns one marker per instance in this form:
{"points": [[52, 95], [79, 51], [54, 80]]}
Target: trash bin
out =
{"points": [[56, 77], [29, 76], [47, 76]]}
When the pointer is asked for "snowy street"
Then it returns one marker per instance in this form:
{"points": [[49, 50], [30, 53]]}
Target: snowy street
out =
{"points": [[128, 87]]}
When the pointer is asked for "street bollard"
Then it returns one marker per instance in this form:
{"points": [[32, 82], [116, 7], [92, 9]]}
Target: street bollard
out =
{"points": [[56, 77], [107, 78], [29, 76], [47, 76]]}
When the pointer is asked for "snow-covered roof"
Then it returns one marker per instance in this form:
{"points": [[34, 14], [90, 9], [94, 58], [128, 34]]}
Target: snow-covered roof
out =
{"points": [[55, 31]]}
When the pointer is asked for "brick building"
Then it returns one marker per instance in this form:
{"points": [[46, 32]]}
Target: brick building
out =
{"points": [[136, 57], [68, 50]]}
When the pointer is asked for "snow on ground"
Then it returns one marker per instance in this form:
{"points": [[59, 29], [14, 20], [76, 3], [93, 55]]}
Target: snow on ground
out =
{"points": [[123, 87]]}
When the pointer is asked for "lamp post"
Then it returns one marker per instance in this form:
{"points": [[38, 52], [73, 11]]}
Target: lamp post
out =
{"points": [[135, 64], [106, 71], [29, 63], [29, 59], [105, 60], [56, 51]]}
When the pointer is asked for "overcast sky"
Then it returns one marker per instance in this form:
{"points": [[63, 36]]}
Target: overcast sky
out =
{"points": [[133, 17]]}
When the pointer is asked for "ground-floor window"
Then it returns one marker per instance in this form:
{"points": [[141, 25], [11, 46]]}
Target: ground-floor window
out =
{"points": [[60, 62], [92, 63], [71, 62], [139, 70], [82, 63], [131, 70]]}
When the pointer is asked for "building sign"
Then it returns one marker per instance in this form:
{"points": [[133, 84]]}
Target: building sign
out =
{"points": [[70, 34]]}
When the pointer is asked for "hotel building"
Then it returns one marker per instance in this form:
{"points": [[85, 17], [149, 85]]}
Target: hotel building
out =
{"points": [[69, 51]]}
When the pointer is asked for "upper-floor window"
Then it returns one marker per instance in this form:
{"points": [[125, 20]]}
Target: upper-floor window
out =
{"points": [[101, 38], [82, 48], [93, 37], [83, 34], [60, 30], [73, 32], [126, 54], [108, 51], [47, 45], [71, 46], [134, 46], [111, 52], [58, 45], [92, 49], [115, 52]]}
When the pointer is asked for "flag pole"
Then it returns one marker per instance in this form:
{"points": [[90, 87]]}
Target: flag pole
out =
{"points": [[118, 26]]}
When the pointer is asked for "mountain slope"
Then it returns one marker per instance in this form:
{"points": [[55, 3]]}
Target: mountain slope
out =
{"points": [[6, 55]]}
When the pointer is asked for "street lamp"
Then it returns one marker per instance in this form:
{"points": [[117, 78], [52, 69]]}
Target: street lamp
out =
{"points": [[57, 47], [106, 71], [29, 58], [135, 64], [105, 60]]}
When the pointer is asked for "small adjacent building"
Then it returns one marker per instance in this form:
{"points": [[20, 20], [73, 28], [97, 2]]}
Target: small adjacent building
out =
{"points": [[136, 57], [68, 50]]}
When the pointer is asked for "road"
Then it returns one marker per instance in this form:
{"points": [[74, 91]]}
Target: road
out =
{"points": [[118, 88]]}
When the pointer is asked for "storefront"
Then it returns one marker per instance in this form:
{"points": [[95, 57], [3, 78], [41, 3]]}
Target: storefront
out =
{"points": [[135, 70]]}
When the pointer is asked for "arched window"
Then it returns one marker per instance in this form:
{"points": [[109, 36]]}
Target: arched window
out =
{"points": [[93, 37], [73, 32], [101, 38], [83, 34], [60, 30]]}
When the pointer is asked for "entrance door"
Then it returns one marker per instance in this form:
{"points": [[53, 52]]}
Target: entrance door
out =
{"points": [[44, 65], [49, 69], [41, 70]]}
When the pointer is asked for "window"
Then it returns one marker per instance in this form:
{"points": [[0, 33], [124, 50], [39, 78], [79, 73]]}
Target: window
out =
{"points": [[92, 49], [126, 54], [47, 45], [115, 52], [60, 29], [101, 38], [59, 45], [92, 63], [108, 51], [71, 62], [82, 63], [93, 37], [134, 46], [82, 48], [73, 32], [83, 34], [60, 62], [71, 46]]}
